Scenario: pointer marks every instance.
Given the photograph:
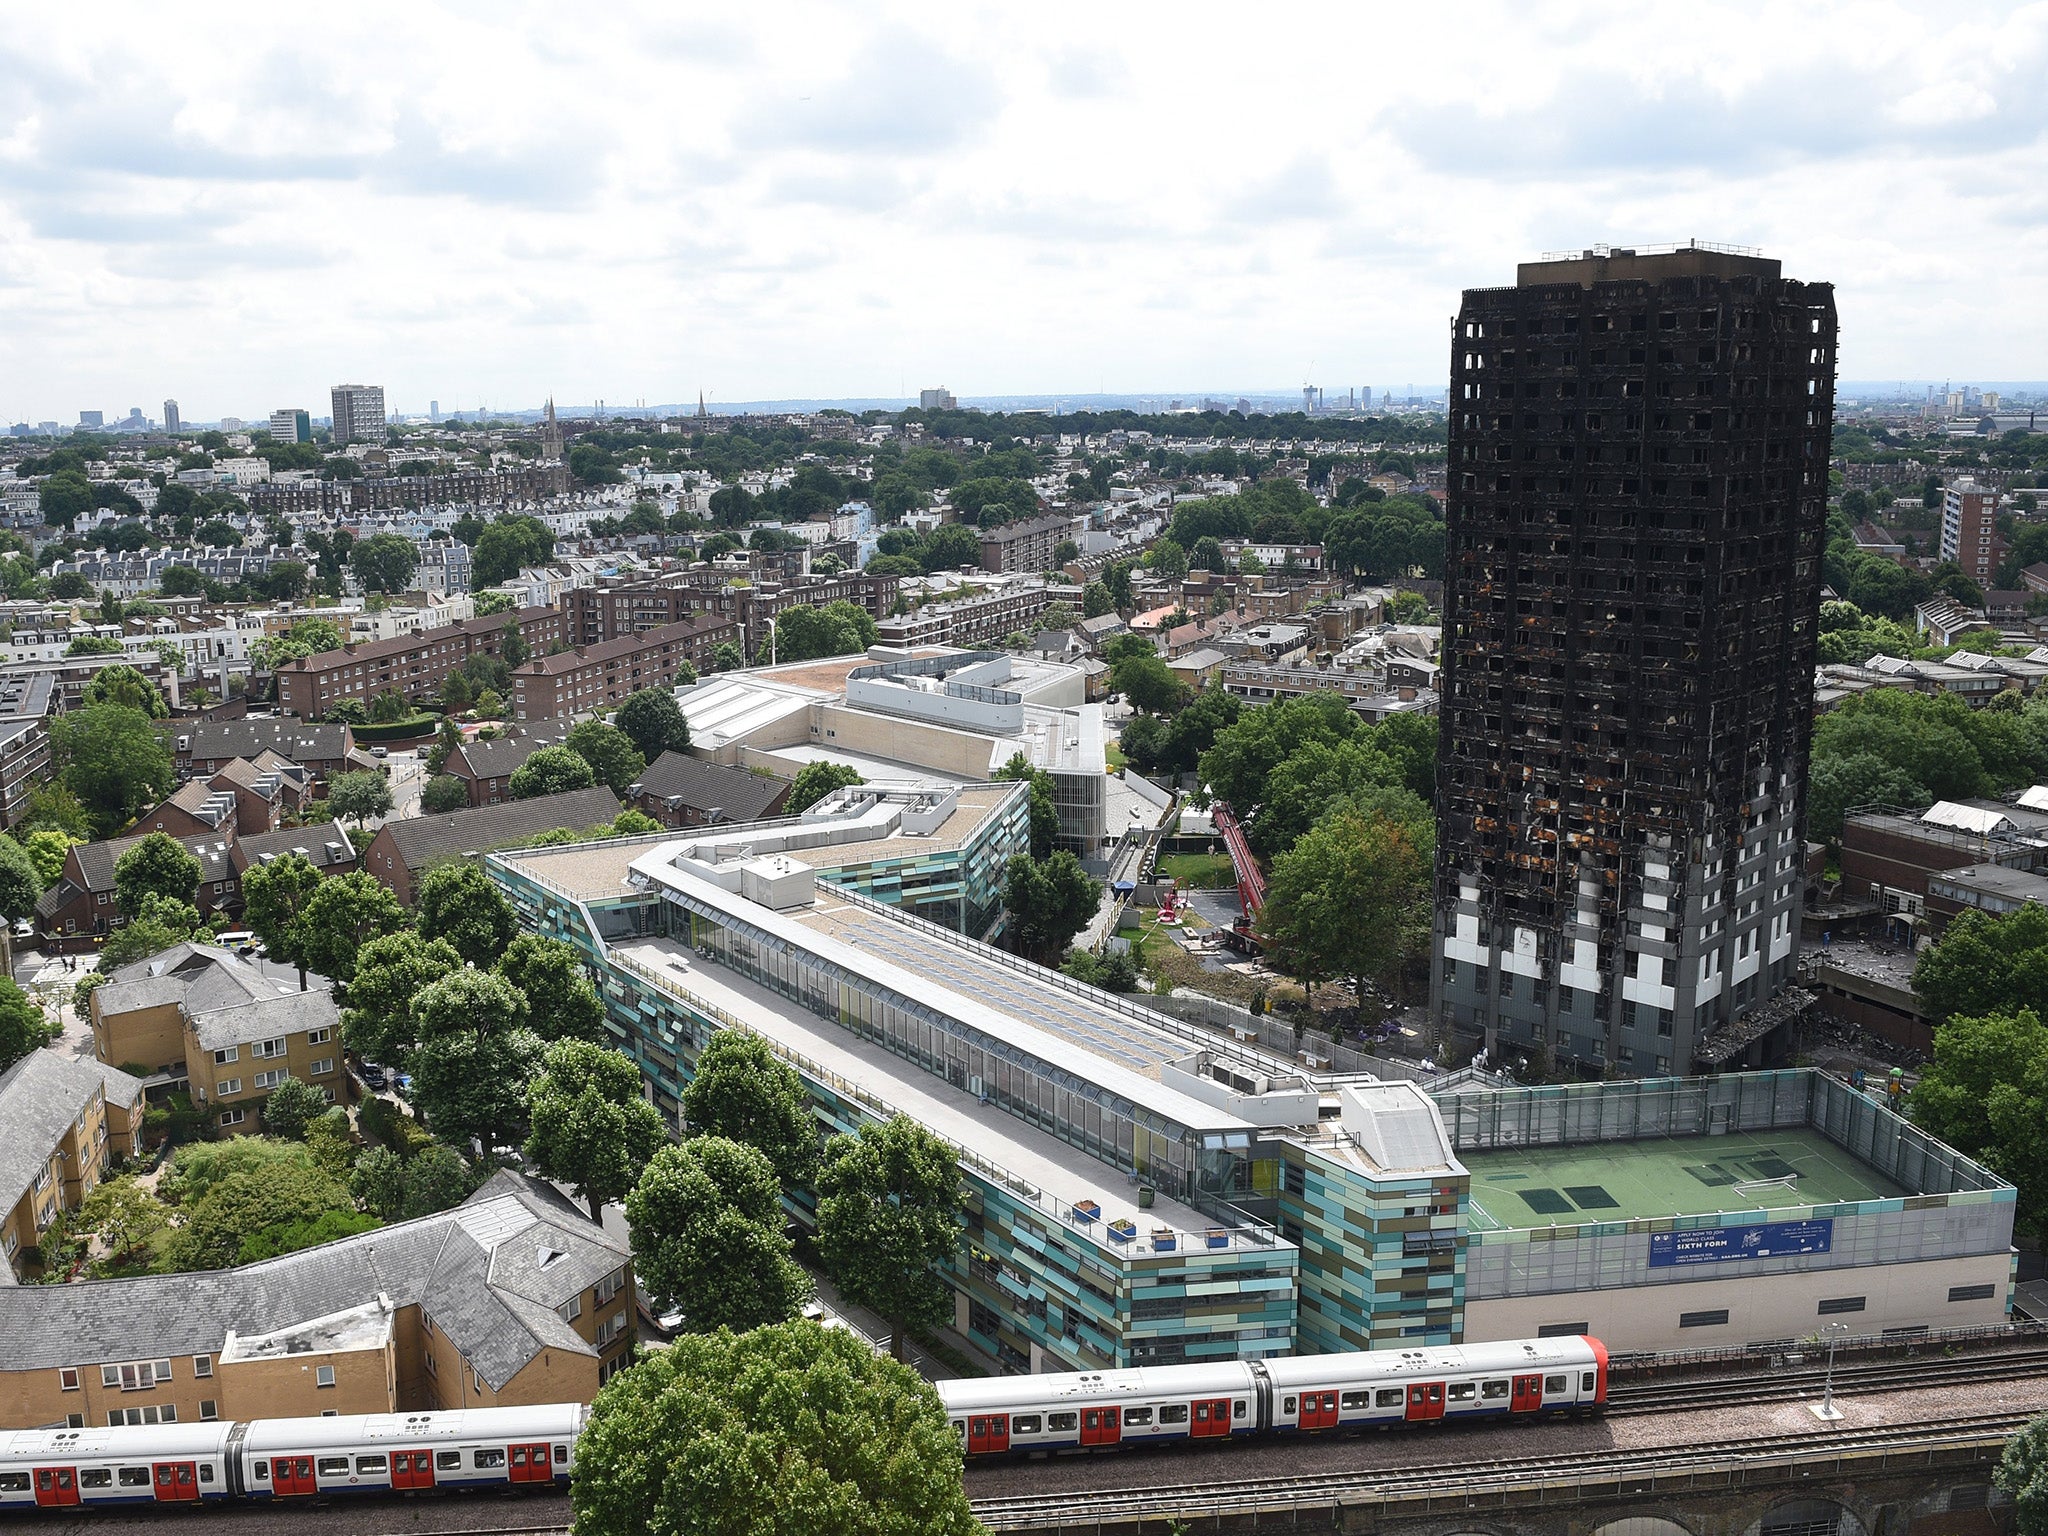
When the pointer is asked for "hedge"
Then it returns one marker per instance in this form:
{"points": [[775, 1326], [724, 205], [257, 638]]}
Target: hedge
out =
{"points": [[417, 727]]}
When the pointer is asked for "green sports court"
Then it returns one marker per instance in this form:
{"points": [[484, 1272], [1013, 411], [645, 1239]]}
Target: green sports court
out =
{"points": [[1546, 1186]]}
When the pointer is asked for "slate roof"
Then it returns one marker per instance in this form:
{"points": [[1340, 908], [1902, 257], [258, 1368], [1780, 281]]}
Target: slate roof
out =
{"points": [[266, 1018], [40, 1095], [733, 792], [423, 839], [615, 650], [293, 739], [327, 846], [445, 1264], [205, 981], [96, 861], [502, 756]]}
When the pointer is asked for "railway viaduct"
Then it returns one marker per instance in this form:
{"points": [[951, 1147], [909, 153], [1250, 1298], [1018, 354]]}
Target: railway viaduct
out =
{"points": [[1924, 1491]]}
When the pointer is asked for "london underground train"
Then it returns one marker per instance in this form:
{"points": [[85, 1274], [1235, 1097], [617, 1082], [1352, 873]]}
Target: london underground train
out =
{"points": [[1091, 1410], [290, 1459]]}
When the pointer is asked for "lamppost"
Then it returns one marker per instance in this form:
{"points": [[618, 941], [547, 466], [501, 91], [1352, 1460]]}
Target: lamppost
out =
{"points": [[1826, 1408]]}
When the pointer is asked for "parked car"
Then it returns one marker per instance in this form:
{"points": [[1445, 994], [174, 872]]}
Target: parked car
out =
{"points": [[373, 1075]]}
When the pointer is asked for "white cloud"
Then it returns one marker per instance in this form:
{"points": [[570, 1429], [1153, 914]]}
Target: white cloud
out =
{"points": [[814, 199]]}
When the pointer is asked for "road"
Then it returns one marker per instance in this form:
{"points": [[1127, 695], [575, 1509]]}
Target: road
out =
{"points": [[408, 773]]}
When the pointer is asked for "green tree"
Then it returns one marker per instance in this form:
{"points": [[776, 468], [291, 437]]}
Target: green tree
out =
{"points": [[513, 649], [614, 760], [590, 1126], [727, 657], [564, 1005], [114, 761], [23, 1026], [158, 865], [804, 632], [126, 686], [436, 1179], [458, 902], [707, 1224], [792, 1428], [63, 496], [550, 771], [390, 972], [1096, 601], [1045, 811], [340, 917], [2023, 1475], [291, 1107], [349, 712], [743, 1092], [274, 898], [814, 781], [359, 796], [122, 1215], [1350, 899], [378, 1183], [1986, 965], [21, 883], [1149, 684], [1245, 754], [890, 1206], [474, 1058], [274, 1192], [1168, 560], [442, 794], [1049, 901], [51, 805], [653, 722], [46, 848], [160, 922], [1986, 1094], [384, 562], [506, 546]]}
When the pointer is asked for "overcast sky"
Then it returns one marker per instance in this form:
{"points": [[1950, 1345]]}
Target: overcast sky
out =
{"points": [[490, 204]]}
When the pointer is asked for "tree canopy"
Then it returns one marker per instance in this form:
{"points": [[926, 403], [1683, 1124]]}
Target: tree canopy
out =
{"points": [[744, 1093], [550, 771], [1986, 1094], [614, 760], [359, 796], [114, 760], [804, 632], [1049, 901], [156, 866], [814, 781], [589, 1125], [791, 1428], [890, 1204], [1350, 899], [343, 913], [653, 722], [707, 1224], [1985, 964], [458, 902]]}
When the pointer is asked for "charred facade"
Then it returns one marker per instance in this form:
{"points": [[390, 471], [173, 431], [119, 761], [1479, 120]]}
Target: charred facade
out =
{"points": [[1637, 503]]}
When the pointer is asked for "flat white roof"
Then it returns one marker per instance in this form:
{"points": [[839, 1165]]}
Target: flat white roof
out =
{"points": [[1063, 1175]]}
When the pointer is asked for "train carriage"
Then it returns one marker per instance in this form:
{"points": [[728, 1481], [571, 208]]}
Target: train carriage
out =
{"points": [[1466, 1381], [1143, 1405], [167, 1464], [409, 1452]]}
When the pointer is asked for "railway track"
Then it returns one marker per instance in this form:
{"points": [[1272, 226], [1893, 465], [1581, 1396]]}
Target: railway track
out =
{"points": [[1633, 1398], [1627, 1471]]}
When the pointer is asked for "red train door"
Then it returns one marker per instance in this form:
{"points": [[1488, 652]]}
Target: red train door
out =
{"points": [[176, 1482], [1319, 1410], [56, 1485], [530, 1464], [1212, 1417], [988, 1432], [1426, 1400], [1528, 1396], [1102, 1426], [292, 1476], [412, 1469]]}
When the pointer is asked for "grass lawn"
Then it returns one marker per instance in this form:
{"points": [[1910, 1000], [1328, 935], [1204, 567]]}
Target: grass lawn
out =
{"points": [[1113, 753], [1199, 871]]}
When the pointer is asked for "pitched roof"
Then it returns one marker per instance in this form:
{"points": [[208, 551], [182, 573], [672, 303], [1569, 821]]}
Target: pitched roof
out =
{"points": [[96, 861], [400, 645], [502, 756], [39, 1096], [327, 846], [202, 978], [265, 1018], [734, 793], [474, 1270], [293, 739], [422, 839]]}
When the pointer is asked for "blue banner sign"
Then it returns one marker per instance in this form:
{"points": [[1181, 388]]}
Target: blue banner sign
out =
{"points": [[1767, 1240]]}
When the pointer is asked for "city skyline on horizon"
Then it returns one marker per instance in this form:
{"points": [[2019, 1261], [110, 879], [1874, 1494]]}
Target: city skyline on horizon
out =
{"points": [[859, 205]]}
